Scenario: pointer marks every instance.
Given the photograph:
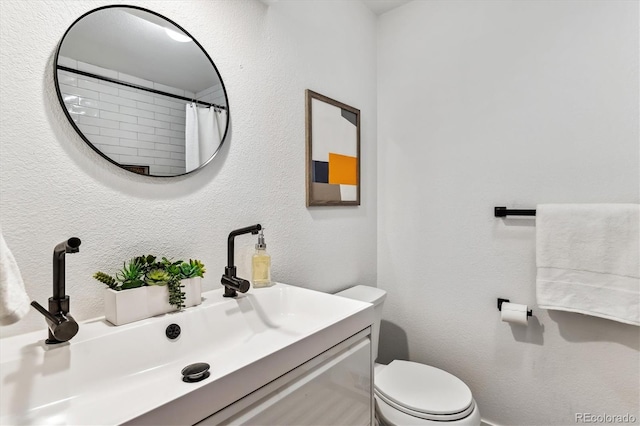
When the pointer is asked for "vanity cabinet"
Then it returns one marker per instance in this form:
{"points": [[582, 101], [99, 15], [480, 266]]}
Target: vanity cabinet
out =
{"points": [[334, 388], [282, 355]]}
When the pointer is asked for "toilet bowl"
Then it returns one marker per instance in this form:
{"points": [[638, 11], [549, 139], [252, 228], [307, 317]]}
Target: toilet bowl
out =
{"points": [[410, 393]]}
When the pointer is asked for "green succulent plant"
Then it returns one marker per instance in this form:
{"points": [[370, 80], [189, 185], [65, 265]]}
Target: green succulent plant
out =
{"points": [[176, 295], [106, 279], [158, 277], [131, 275], [146, 262], [147, 271], [191, 269], [172, 267]]}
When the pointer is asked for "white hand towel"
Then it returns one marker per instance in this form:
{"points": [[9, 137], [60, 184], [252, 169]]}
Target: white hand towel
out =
{"points": [[14, 301], [588, 259]]}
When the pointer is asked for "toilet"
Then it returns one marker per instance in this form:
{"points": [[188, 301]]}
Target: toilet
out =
{"points": [[410, 393]]}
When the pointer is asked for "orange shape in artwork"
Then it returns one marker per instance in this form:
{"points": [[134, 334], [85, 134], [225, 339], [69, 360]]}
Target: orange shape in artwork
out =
{"points": [[343, 170]]}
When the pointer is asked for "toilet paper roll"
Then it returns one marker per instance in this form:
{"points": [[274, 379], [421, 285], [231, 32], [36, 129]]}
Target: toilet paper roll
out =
{"points": [[514, 313]]}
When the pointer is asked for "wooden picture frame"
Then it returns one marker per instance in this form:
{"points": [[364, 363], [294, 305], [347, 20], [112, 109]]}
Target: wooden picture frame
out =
{"points": [[332, 152]]}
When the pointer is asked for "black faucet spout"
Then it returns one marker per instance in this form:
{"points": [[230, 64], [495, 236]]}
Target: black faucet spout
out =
{"points": [[62, 326], [254, 229], [72, 245], [231, 283]]}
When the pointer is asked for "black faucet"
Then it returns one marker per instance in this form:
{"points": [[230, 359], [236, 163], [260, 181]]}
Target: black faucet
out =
{"points": [[62, 326], [231, 283]]}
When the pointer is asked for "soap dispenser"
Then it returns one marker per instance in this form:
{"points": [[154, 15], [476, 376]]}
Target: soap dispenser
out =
{"points": [[261, 264]]}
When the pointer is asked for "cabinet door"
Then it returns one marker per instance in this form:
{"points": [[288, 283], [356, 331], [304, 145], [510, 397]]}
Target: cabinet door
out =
{"points": [[336, 392]]}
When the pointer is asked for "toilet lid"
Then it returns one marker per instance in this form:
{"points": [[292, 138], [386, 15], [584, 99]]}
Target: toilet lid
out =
{"points": [[423, 389]]}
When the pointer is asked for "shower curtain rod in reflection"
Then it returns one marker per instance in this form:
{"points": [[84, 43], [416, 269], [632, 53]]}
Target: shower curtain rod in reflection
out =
{"points": [[135, 86]]}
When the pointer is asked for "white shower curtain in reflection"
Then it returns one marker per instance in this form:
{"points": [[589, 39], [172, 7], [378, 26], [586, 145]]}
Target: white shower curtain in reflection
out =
{"points": [[204, 131]]}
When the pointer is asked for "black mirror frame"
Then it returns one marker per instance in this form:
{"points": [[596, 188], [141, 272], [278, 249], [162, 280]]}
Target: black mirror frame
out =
{"points": [[81, 134]]}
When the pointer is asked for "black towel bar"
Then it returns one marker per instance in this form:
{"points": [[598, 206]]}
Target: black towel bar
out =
{"points": [[504, 212]]}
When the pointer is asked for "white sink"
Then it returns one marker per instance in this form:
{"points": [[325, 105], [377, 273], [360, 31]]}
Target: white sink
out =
{"points": [[114, 375]]}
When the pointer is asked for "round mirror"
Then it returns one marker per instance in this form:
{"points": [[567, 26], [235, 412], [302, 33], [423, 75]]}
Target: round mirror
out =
{"points": [[141, 91]]}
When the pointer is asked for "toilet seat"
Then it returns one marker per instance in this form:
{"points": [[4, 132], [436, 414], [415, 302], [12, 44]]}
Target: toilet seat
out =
{"points": [[386, 415], [427, 416], [423, 391]]}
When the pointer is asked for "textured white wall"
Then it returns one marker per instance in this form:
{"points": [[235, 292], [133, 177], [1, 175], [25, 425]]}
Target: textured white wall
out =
{"points": [[488, 103], [53, 186]]}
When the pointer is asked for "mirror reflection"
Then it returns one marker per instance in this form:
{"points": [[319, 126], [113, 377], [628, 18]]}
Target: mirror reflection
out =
{"points": [[141, 91]]}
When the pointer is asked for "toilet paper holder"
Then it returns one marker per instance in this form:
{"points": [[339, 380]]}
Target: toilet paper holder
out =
{"points": [[500, 301]]}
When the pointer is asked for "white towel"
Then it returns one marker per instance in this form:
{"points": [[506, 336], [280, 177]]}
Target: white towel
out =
{"points": [[14, 302], [588, 259]]}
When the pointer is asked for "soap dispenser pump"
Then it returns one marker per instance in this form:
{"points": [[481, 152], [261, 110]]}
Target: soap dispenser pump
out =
{"points": [[261, 264]]}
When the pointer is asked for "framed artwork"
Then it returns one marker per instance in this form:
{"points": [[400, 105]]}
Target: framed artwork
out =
{"points": [[333, 152]]}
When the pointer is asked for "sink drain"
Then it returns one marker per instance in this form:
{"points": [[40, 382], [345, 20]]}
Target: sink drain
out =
{"points": [[173, 331], [195, 372]]}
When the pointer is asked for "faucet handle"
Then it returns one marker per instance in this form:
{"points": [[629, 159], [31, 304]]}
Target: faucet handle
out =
{"points": [[233, 284], [48, 315], [62, 327]]}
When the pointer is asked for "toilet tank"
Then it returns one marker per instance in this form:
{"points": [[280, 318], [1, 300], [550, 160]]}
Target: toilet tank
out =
{"points": [[374, 296]]}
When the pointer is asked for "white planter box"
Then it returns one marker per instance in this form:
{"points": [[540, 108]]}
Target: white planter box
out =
{"points": [[125, 306]]}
